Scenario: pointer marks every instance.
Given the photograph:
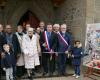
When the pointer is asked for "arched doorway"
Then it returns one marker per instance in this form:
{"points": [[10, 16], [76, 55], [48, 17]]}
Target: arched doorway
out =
{"points": [[30, 18]]}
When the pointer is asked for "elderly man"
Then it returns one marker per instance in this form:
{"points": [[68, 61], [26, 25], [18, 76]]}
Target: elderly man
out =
{"points": [[63, 47], [56, 28], [31, 48]]}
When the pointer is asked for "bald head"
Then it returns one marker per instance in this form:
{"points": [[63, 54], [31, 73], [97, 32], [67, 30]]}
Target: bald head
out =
{"points": [[56, 27]]}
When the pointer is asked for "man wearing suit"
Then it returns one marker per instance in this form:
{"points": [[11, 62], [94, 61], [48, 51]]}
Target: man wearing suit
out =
{"points": [[12, 40], [49, 44], [63, 48]]}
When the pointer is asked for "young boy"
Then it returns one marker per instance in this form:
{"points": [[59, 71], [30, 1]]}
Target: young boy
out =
{"points": [[7, 62], [76, 55]]}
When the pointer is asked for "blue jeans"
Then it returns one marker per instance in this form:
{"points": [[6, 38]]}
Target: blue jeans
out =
{"points": [[77, 70], [9, 74]]}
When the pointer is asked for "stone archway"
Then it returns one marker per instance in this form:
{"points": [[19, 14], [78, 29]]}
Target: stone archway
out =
{"points": [[30, 18], [17, 14]]}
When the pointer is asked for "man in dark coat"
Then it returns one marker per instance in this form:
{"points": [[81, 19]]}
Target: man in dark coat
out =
{"points": [[48, 42], [12, 40], [63, 49]]}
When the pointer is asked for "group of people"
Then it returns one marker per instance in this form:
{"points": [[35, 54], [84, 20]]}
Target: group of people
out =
{"points": [[47, 47]]}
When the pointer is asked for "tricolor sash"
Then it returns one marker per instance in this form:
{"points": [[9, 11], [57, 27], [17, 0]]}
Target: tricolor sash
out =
{"points": [[47, 41], [63, 38]]}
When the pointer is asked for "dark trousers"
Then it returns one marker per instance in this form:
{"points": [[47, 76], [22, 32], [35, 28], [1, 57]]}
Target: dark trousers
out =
{"points": [[20, 71], [48, 63], [14, 72], [77, 69], [39, 68], [61, 63]]}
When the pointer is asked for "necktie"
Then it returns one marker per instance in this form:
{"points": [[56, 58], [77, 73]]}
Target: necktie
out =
{"points": [[63, 35], [49, 34]]}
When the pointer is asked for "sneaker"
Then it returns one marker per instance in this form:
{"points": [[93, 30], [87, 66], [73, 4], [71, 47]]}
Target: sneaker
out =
{"points": [[77, 77], [74, 75]]}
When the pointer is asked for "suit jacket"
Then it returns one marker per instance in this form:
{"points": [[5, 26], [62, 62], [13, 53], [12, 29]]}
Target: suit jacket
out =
{"points": [[52, 42], [15, 44], [8, 60], [2, 41], [62, 47]]}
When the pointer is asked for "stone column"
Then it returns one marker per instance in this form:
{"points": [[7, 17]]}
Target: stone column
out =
{"points": [[93, 11]]}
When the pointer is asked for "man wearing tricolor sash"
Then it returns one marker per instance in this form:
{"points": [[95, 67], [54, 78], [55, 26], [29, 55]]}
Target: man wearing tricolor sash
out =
{"points": [[63, 48], [49, 44]]}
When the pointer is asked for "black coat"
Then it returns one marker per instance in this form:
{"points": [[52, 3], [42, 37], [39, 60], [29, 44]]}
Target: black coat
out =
{"points": [[2, 41], [16, 45], [53, 42], [8, 60]]}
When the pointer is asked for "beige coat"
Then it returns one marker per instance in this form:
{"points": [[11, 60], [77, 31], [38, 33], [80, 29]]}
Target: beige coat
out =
{"points": [[31, 47], [20, 60]]}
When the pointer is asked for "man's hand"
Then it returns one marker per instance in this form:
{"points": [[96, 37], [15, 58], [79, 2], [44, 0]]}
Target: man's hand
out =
{"points": [[44, 45], [4, 69], [56, 54], [66, 52], [51, 50], [68, 55], [72, 56]]}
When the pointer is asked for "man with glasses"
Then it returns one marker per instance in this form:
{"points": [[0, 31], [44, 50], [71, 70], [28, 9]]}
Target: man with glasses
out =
{"points": [[63, 48]]}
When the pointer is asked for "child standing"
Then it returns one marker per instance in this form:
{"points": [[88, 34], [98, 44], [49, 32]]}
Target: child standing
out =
{"points": [[76, 55], [7, 62]]}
